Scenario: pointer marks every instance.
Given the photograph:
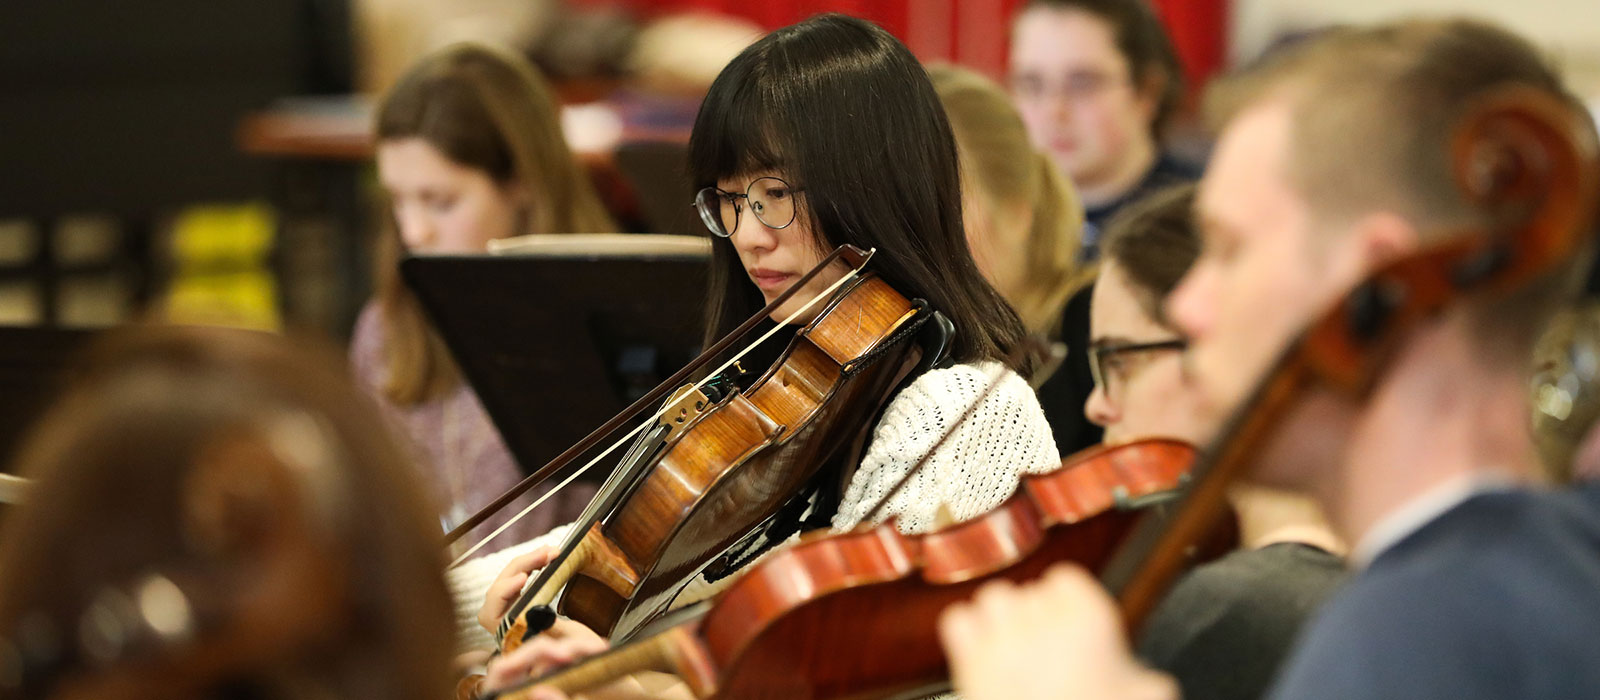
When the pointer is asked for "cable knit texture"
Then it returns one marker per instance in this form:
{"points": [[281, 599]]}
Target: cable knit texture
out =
{"points": [[976, 468], [974, 471]]}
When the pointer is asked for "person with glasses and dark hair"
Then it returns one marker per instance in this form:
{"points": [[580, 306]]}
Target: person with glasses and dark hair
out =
{"points": [[1097, 82], [825, 133], [1225, 628]]}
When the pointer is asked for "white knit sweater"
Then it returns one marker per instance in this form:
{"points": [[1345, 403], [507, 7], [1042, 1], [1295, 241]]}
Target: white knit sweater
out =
{"points": [[974, 471], [976, 468]]}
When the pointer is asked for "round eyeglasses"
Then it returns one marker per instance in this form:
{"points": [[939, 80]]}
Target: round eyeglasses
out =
{"points": [[771, 200]]}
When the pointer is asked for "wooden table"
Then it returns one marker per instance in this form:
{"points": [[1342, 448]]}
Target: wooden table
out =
{"points": [[340, 129]]}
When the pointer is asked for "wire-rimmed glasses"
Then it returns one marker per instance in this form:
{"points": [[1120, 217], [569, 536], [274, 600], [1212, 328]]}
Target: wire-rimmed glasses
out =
{"points": [[770, 199]]}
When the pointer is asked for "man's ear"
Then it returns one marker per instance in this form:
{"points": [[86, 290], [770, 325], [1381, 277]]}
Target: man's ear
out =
{"points": [[1381, 238], [1366, 245]]}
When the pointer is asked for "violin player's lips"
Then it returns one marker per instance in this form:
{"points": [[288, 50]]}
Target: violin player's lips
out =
{"points": [[769, 279]]}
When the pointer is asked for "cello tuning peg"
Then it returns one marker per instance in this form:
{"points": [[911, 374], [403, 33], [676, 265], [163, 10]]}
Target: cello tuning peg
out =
{"points": [[1370, 306], [1475, 269]]}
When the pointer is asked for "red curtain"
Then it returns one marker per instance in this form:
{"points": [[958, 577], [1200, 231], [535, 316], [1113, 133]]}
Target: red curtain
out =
{"points": [[970, 32]]}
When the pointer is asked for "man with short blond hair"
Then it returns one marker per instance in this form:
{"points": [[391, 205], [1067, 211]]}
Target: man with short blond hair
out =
{"points": [[1334, 160]]}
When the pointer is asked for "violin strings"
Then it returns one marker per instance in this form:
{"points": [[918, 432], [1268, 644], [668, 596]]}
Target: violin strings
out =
{"points": [[826, 293]]}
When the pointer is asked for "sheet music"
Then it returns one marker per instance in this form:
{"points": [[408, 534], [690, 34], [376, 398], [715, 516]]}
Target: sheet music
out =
{"points": [[557, 245]]}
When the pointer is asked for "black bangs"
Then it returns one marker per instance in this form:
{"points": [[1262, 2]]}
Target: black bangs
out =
{"points": [[843, 109], [736, 130]]}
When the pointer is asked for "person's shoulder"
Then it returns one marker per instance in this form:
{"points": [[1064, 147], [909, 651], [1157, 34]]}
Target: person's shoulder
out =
{"points": [[1288, 568], [941, 395], [1486, 596], [1391, 635], [366, 343], [982, 446], [984, 401], [1434, 581], [1263, 593], [1501, 539], [1577, 507], [969, 378]]}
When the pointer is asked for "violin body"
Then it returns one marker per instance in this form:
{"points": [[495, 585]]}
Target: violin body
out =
{"points": [[732, 464], [854, 614]]}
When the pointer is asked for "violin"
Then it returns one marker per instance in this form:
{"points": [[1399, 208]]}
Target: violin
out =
{"points": [[1532, 163], [722, 461], [802, 622]]}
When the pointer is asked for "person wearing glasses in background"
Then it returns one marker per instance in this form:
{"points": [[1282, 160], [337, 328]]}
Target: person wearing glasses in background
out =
{"points": [[1226, 627], [1097, 82], [1024, 224], [825, 133]]}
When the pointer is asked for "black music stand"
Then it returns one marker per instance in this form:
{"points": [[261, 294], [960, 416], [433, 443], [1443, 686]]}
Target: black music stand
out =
{"points": [[556, 339]]}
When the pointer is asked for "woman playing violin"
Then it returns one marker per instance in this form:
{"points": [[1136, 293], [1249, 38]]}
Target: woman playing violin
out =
{"points": [[825, 133]]}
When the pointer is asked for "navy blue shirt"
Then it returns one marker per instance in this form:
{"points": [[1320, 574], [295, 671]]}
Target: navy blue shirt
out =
{"points": [[1499, 597], [1166, 172]]}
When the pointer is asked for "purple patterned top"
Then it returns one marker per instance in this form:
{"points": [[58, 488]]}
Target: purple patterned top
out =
{"points": [[463, 459]]}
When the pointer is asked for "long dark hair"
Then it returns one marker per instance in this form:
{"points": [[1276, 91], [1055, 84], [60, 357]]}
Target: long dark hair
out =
{"points": [[845, 111]]}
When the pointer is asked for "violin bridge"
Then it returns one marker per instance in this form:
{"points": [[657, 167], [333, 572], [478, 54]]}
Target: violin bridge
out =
{"points": [[685, 405]]}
